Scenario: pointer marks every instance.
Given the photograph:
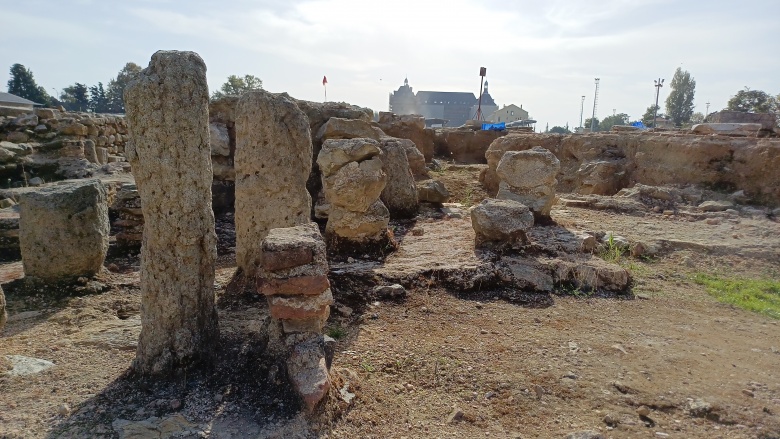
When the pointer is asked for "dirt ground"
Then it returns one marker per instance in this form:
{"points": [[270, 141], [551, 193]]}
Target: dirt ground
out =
{"points": [[665, 360]]}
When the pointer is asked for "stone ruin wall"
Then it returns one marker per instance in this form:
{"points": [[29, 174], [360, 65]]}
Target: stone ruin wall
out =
{"points": [[603, 164], [49, 144]]}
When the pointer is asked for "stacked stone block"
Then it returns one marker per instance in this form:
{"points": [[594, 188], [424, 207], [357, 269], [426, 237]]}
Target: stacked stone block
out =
{"points": [[293, 277], [128, 222], [353, 180]]}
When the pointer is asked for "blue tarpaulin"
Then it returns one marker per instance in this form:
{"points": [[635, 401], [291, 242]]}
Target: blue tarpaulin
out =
{"points": [[494, 126], [639, 124]]}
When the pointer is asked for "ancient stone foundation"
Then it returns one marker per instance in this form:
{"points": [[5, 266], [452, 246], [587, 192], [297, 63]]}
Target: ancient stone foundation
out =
{"points": [[167, 111], [293, 276], [273, 162], [64, 230]]}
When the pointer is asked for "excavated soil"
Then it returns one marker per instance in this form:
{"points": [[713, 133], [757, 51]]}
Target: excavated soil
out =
{"points": [[441, 361]]}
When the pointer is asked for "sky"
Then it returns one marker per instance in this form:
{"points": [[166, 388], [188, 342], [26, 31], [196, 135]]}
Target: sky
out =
{"points": [[543, 55]]}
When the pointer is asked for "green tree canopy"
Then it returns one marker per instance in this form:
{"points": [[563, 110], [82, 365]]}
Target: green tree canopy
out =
{"points": [[237, 85], [587, 124], [647, 118], [610, 121], [75, 97], [98, 99], [116, 87], [753, 101], [697, 117], [23, 84], [559, 130], [679, 103]]}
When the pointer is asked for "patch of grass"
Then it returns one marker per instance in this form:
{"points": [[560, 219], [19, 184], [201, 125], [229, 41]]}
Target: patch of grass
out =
{"points": [[336, 332], [757, 295], [612, 252]]}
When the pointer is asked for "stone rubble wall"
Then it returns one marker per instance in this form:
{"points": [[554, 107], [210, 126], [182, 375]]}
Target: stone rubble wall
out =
{"points": [[603, 164], [56, 145]]}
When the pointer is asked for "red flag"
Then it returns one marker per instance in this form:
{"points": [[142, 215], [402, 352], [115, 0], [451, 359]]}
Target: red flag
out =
{"points": [[324, 80]]}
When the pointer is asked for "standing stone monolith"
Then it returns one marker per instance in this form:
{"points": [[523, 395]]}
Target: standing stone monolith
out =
{"points": [[272, 162], [167, 113]]}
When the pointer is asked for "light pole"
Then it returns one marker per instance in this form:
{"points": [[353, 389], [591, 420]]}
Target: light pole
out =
{"points": [[595, 103], [658, 84], [582, 106], [707, 113]]}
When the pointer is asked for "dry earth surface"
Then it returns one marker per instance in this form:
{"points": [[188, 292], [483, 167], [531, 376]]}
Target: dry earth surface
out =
{"points": [[667, 360]]}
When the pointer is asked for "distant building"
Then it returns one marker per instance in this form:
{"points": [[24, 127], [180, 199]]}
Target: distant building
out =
{"points": [[403, 101], [509, 113], [13, 101], [436, 106]]}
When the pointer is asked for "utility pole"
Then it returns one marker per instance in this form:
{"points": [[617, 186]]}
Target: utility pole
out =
{"points": [[582, 106], [658, 84], [595, 104], [707, 112]]}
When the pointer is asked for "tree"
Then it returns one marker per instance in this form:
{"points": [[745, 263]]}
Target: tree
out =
{"points": [[647, 118], [98, 100], [588, 122], [610, 121], [75, 97], [753, 101], [23, 84], [236, 86], [116, 87], [679, 103], [697, 117], [559, 130]]}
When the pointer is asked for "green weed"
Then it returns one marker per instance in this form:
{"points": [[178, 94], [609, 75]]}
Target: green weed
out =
{"points": [[336, 332], [757, 295]]}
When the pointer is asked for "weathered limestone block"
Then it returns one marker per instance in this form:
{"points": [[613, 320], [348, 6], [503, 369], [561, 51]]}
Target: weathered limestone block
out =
{"points": [[74, 129], [416, 160], [64, 230], [339, 128], [308, 371], [768, 121], [530, 168], [273, 159], [167, 113], [219, 139], [409, 126], [89, 151], [102, 155], [356, 186], [358, 226], [294, 251], [501, 221], [731, 129], [337, 153], [300, 307], [529, 178], [432, 191], [400, 192]]}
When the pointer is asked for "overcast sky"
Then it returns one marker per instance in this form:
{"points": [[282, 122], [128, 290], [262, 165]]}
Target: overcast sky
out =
{"points": [[541, 54]]}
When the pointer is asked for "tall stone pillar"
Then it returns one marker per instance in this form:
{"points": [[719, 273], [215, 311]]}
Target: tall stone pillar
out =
{"points": [[167, 114], [272, 162]]}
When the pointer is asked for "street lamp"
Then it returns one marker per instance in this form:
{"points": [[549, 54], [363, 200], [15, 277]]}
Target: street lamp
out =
{"points": [[658, 84], [582, 105]]}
